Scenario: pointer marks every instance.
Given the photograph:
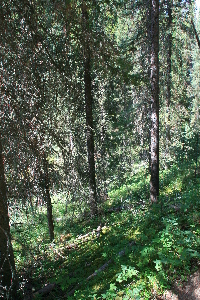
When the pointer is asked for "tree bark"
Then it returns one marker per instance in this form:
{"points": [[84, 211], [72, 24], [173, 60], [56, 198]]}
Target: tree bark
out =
{"points": [[196, 160], [48, 199], [154, 81], [7, 264], [89, 113], [196, 34], [149, 73], [45, 290], [169, 54]]}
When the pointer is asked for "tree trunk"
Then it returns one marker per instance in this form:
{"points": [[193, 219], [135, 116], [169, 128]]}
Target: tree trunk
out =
{"points": [[103, 154], [89, 114], [7, 264], [149, 74], [196, 34], [48, 199], [169, 54], [196, 160], [154, 81]]}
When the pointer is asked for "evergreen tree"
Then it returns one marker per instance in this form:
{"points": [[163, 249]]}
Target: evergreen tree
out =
{"points": [[88, 108], [7, 264], [154, 80]]}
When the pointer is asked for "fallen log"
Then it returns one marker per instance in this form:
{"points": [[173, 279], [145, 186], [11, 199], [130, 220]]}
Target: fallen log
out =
{"points": [[102, 268], [45, 290], [85, 237]]}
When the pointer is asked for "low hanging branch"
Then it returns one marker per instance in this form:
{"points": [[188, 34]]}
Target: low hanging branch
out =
{"points": [[196, 34]]}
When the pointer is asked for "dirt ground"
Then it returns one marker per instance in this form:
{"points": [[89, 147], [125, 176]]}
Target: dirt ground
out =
{"points": [[189, 290]]}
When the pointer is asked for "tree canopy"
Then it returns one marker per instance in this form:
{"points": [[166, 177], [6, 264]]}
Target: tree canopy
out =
{"points": [[99, 147]]}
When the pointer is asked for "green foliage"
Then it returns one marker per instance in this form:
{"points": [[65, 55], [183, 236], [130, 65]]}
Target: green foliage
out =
{"points": [[43, 109], [164, 242], [126, 273]]}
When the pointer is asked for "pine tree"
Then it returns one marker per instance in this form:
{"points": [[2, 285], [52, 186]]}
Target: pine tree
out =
{"points": [[7, 264], [154, 80]]}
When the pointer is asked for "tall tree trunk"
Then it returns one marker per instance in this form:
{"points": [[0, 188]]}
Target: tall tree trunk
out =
{"points": [[154, 81], [196, 160], [196, 34], [7, 264], [169, 54], [148, 24], [89, 114], [48, 198], [103, 153]]}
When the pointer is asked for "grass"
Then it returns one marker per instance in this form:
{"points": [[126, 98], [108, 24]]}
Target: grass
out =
{"points": [[160, 243]]}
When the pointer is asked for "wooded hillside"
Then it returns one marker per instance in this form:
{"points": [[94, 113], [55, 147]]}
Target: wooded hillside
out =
{"points": [[99, 148]]}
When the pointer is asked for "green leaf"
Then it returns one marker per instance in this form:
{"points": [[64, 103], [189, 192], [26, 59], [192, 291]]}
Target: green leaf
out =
{"points": [[158, 264], [112, 287]]}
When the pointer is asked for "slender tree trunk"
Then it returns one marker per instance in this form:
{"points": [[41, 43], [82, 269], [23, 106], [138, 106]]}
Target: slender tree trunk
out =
{"points": [[196, 34], [154, 80], [197, 146], [48, 199], [103, 153], [7, 264], [89, 114], [169, 54], [149, 73]]}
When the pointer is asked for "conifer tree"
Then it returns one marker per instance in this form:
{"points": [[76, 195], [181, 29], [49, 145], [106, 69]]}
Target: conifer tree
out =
{"points": [[154, 80], [7, 264]]}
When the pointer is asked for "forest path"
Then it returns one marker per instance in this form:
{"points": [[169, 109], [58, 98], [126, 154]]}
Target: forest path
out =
{"points": [[189, 290]]}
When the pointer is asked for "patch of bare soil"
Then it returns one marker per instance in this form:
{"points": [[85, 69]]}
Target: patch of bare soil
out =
{"points": [[189, 290]]}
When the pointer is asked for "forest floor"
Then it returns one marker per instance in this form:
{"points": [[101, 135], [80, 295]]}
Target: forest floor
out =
{"points": [[187, 290], [131, 251]]}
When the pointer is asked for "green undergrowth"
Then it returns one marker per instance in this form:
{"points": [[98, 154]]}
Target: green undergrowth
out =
{"points": [[146, 247]]}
